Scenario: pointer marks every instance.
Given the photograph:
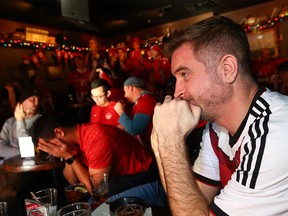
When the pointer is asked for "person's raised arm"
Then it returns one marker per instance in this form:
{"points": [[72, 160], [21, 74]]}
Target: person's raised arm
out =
{"points": [[74, 171], [19, 115], [168, 142]]}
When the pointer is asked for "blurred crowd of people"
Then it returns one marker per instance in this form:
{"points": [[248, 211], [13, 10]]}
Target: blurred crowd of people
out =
{"points": [[119, 63], [268, 70]]}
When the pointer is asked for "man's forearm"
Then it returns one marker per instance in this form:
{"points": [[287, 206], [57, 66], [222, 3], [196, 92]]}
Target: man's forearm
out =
{"points": [[184, 195], [154, 143], [81, 172], [69, 174]]}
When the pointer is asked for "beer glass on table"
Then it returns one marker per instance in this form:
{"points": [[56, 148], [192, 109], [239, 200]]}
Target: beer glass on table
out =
{"points": [[100, 187]]}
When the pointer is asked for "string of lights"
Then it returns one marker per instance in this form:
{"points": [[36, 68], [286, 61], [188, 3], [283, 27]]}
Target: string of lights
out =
{"points": [[73, 48], [52, 47], [35, 45], [268, 24]]}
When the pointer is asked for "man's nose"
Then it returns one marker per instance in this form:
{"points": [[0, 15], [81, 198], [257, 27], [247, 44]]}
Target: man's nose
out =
{"points": [[179, 89], [36, 101]]}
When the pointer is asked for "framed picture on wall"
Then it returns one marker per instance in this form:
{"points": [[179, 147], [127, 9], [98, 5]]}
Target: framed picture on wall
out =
{"points": [[263, 39]]}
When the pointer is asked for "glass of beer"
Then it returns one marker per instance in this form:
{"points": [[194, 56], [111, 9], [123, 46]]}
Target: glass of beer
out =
{"points": [[76, 193], [130, 210], [100, 187]]}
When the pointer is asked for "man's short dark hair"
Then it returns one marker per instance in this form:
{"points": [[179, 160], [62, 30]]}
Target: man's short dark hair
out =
{"points": [[100, 82], [211, 39], [43, 127]]}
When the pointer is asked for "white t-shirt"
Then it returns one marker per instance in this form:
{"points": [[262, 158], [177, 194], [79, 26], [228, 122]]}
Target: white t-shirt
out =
{"points": [[259, 185]]}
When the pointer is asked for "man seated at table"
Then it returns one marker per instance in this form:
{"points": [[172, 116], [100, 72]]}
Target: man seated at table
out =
{"points": [[89, 149], [26, 112]]}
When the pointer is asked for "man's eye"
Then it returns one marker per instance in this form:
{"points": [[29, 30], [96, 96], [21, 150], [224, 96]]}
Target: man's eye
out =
{"points": [[183, 74]]}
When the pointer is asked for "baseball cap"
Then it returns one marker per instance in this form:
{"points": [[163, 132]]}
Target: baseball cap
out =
{"points": [[26, 92], [135, 81]]}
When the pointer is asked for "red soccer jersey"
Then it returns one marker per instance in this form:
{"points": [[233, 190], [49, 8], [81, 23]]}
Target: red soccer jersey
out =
{"points": [[145, 105], [104, 145], [80, 81], [159, 69], [135, 63], [104, 115]]}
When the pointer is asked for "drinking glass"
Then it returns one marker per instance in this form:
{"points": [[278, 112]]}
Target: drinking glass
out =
{"points": [[76, 193], [130, 210], [48, 196], [75, 209], [3, 209], [100, 187]]}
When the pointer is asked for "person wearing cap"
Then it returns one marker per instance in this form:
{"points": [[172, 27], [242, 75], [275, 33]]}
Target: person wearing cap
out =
{"points": [[158, 68], [26, 112], [139, 122]]}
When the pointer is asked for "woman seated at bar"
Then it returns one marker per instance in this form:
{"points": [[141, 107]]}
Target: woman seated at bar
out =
{"points": [[25, 113], [90, 149]]}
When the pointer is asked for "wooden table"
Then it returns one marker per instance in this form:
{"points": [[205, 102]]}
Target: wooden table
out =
{"points": [[18, 164], [19, 176]]}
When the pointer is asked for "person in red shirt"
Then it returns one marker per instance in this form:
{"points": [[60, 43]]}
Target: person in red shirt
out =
{"points": [[266, 66], [158, 69], [97, 62], [90, 149], [158, 66], [135, 58], [79, 81], [103, 111], [139, 122]]}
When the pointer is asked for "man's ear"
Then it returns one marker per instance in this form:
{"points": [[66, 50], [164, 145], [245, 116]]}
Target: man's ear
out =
{"points": [[131, 88], [229, 68], [108, 93], [59, 132]]}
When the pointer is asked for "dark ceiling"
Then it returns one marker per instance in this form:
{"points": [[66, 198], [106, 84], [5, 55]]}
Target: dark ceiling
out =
{"points": [[109, 17]]}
